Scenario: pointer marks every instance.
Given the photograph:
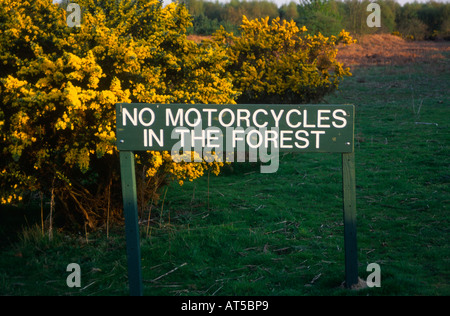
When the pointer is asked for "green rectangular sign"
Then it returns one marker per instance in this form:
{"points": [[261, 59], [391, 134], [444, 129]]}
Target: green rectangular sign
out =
{"points": [[286, 128], [235, 128]]}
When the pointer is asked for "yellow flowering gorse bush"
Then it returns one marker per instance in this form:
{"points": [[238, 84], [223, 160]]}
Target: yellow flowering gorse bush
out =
{"points": [[279, 62], [59, 87]]}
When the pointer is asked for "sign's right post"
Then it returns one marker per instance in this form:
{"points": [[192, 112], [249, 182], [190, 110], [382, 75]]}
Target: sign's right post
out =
{"points": [[349, 206]]}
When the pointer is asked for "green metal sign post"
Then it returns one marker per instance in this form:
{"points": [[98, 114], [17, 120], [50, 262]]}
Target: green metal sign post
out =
{"points": [[349, 201], [229, 129], [130, 209]]}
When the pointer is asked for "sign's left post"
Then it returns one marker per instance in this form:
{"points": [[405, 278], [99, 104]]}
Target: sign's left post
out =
{"points": [[129, 194]]}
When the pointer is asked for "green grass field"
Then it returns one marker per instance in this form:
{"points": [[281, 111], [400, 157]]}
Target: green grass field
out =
{"points": [[247, 233]]}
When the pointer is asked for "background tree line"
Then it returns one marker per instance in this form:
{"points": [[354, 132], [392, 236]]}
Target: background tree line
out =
{"points": [[418, 21]]}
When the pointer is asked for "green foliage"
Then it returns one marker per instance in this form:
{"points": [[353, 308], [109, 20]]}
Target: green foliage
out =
{"points": [[320, 16], [424, 20], [208, 14], [289, 11], [202, 25]]}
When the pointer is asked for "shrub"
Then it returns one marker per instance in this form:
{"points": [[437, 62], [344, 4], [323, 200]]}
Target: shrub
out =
{"points": [[59, 85], [280, 63]]}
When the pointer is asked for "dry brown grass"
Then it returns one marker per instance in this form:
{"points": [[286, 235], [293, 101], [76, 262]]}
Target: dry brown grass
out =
{"points": [[382, 49], [198, 38]]}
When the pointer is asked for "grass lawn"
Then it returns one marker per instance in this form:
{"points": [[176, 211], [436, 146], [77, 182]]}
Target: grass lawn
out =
{"points": [[248, 233]]}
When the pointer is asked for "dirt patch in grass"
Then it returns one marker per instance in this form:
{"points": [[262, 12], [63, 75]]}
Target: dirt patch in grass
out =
{"points": [[198, 38], [382, 49], [386, 49]]}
